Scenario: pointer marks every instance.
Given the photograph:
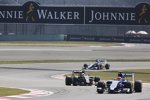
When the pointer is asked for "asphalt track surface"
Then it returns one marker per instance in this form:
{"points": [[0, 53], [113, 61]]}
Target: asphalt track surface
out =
{"points": [[38, 76], [130, 51]]}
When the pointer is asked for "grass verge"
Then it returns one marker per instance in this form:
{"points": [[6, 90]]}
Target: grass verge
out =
{"points": [[140, 74], [11, 91]]}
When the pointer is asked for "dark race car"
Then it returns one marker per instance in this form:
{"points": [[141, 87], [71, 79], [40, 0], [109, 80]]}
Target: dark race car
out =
{"points": [[120, 85], [80, 78]]}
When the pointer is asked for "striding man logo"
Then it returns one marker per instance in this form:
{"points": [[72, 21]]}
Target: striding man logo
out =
{"points": [[143, 15], [30, 13]]}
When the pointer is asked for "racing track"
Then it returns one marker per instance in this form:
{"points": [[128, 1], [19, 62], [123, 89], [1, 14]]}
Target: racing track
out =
{"points": [[38, 76]]}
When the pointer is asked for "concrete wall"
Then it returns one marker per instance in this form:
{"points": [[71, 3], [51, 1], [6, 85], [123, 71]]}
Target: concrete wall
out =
{"points": [[31, 37]]}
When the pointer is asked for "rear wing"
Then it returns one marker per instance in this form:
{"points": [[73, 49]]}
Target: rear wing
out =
{"points": [[126, 74], [78, 71]]}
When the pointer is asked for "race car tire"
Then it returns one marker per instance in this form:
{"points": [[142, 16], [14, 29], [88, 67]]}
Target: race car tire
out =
{"points": [[138, 86], [100, 67], [68, 81], [75, 81], [85, 66], [129, 86], [100, 87], [82, 81], [96, 79], [107, 66]]}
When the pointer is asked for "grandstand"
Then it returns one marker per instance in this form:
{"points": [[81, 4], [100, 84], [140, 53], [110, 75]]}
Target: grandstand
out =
{"points": [[90, 30]]}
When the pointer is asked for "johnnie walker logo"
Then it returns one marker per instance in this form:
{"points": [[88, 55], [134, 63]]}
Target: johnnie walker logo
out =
{"points": [[30, 11], [143, 13]]}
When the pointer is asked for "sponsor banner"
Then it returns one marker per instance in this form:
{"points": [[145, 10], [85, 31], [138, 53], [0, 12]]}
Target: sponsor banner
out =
{"points": [[108, 39], [140, 15], [101, 15], [33, 12]]}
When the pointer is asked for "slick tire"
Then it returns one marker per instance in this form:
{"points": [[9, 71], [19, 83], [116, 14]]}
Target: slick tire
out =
{"points": [[82, 81], [138, 86], [129, 86], [107, 66], [68, 81], [96, 79], [75, 81], [100, 87], [85, 66]]}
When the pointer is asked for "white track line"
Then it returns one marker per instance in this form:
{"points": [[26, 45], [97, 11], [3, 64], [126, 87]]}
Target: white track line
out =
{"points": [[128, 45]]}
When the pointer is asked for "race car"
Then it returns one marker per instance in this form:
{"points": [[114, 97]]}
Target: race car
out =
{"points": [[80, 78], [98, 65], [120, 85]]}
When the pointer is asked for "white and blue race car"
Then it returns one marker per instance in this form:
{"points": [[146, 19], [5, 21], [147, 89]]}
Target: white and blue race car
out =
{"points": [[120, 85], [98, 65]]}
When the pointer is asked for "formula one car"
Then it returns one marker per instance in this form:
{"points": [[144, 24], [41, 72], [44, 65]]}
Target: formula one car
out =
{"points": [[120, 85], [98, 65], [80, 78]]}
